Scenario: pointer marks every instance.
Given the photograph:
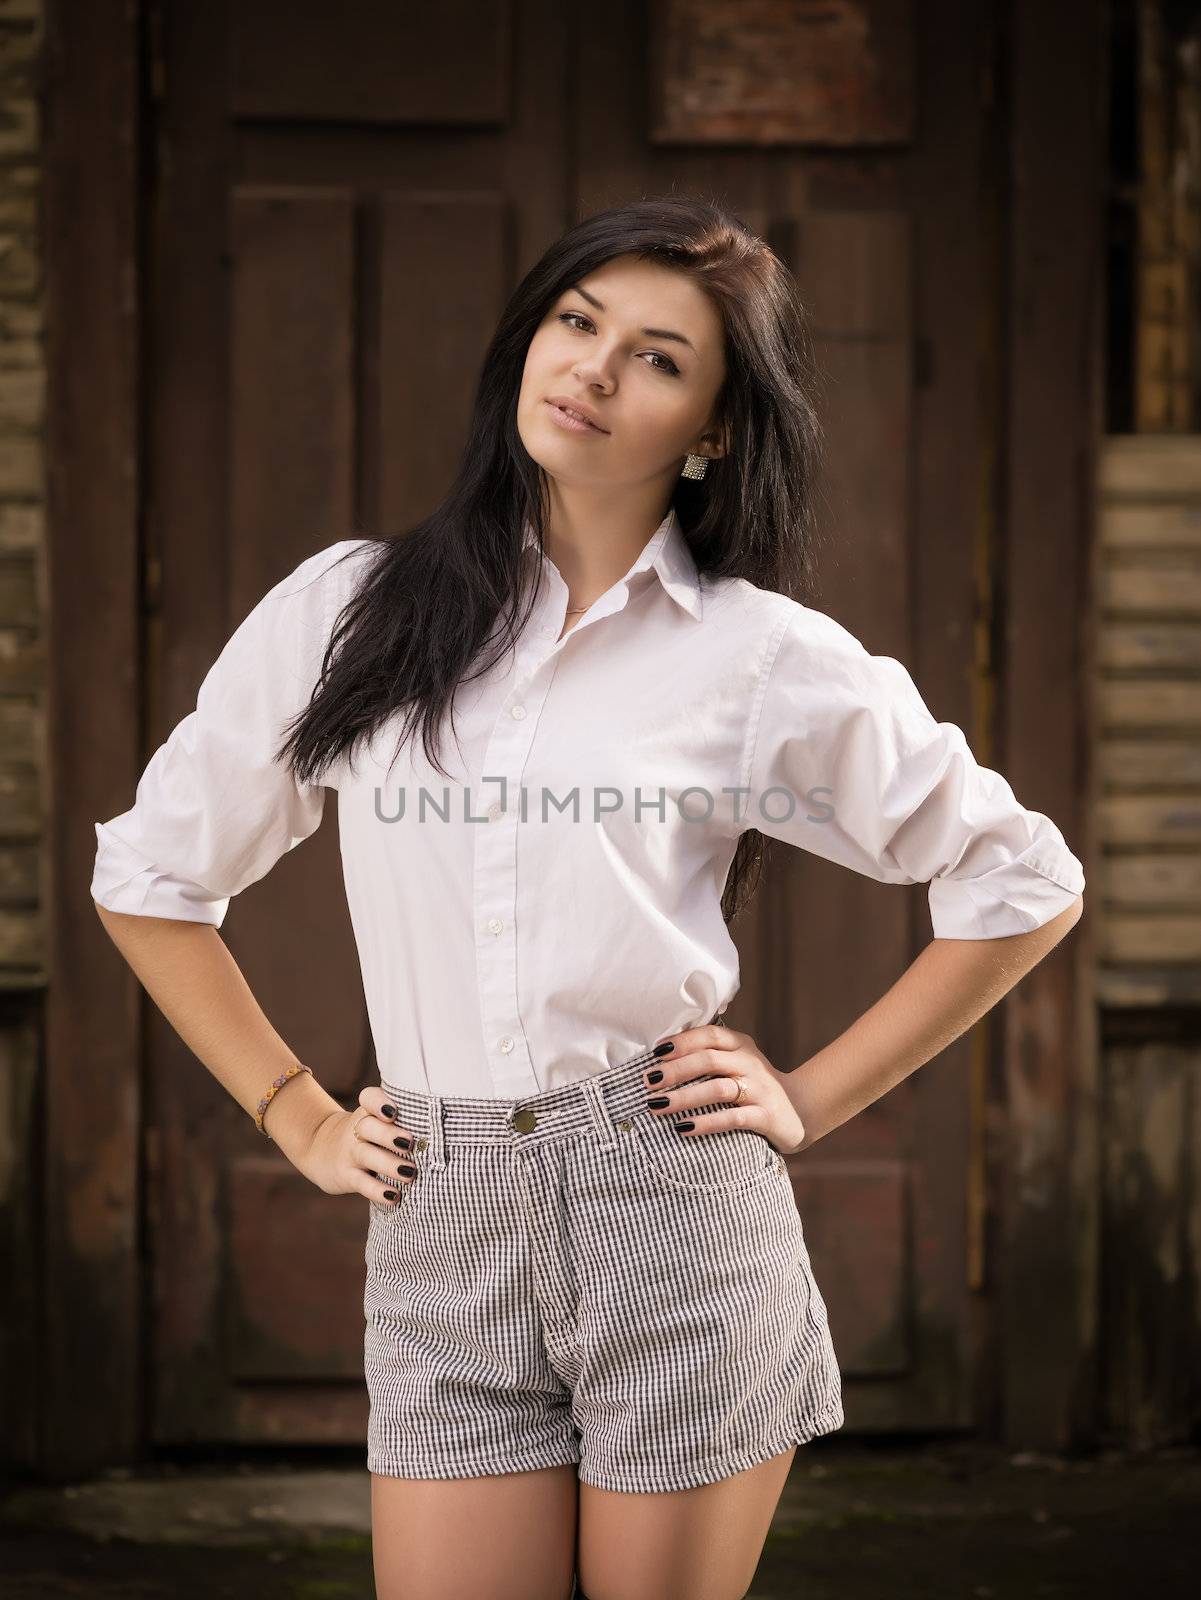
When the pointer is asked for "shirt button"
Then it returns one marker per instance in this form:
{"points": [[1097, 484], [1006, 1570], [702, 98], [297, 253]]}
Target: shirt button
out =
{"points": [[496, 924], [494, 809], [519, 712], [506, 1044]]}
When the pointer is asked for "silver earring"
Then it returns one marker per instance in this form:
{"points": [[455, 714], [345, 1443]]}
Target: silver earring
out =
{"points": [[695, 466]]}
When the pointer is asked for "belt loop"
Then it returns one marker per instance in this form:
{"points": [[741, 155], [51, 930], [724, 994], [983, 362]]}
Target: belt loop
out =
{"points": [[600, 1113], [437, 1133]]}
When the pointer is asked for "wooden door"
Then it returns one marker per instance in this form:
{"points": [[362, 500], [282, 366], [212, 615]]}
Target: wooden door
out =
{"points": [[866, 166], [343, 199]]}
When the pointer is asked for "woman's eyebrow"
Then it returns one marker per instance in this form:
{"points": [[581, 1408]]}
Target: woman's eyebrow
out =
{"points": [[651, 333]]}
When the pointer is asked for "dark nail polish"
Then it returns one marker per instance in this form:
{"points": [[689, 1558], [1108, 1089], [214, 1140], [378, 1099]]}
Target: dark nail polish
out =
{"points": [[389, 1194], [683, 1127], [658, 1103], [663, 1049], [404, 1143], [388, 1111], [654, 1077], [407, 1172]]}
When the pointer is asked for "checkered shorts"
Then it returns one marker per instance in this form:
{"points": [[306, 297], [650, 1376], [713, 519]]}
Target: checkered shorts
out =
{"points": [[569, 1280]]}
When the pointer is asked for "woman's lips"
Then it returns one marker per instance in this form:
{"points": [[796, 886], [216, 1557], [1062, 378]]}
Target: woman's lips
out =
{"points": [[570, 423]]}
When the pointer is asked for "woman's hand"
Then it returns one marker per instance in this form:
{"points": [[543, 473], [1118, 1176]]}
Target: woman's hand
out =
{"points": [[363, 1151], [710, 1048]]}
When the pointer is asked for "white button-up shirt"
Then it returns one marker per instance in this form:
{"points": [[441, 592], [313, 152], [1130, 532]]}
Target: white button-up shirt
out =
{"points": [[555, 907]]}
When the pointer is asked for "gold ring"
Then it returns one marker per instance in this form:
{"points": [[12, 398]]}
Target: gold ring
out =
{"points": [[741, 1082], [355, 1129]]}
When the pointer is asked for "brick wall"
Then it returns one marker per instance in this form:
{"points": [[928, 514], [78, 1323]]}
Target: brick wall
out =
{"points": [[22, 496]]}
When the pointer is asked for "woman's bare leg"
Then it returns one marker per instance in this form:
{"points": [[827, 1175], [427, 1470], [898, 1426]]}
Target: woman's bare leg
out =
{"points": [[507, 1537], [691, 1544]]}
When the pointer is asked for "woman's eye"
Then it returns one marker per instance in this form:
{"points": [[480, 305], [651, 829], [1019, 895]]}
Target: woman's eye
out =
{"points": [[572, 317]]}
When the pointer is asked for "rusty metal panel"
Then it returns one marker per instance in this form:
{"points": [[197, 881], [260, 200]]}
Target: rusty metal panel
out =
{"points": [[764, 72]]}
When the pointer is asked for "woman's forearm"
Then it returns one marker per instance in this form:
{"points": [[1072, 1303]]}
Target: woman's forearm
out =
{"points": [[189, 973], [950, 985]]}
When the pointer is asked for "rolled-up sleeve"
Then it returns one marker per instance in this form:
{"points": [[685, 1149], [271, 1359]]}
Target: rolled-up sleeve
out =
{"points": [[848, 763], [214, 810]]}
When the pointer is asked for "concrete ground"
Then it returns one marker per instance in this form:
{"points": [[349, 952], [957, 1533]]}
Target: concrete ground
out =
{"points": [[857, 1522]]}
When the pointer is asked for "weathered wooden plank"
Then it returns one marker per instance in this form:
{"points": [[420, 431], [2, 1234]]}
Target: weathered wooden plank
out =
{"points": [[1133, 763], [1136, 526], [19, 602], [1151, 1371], [90, 1247], [22, 1220], [1149, 819], [1151, 467], [446, 66], [1046, 1254], [1124, 937], [1155, 645], [1155, 586], [1148, 706], [1147, 986], [413, 432], [1171, 880]]}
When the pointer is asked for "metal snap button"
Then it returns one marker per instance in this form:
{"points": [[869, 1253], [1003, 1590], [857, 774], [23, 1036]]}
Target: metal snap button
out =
{"points": [[420, 1144], [525, 1121], [625, 1124]]}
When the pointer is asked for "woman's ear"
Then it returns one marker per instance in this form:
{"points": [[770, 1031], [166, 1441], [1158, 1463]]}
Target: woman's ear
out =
{"points": [[717, 440]]}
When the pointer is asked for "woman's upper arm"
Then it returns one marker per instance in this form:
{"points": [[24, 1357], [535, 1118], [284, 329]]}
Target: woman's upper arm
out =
{"points": [[850, 764], [214, 810]]}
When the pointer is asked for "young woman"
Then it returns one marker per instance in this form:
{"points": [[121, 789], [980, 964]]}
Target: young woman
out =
{"points": [[593, 1339]]}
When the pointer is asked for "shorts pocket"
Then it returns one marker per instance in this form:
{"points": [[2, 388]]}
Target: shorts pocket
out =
{"points": [[389, 1214], [705, 1163]]}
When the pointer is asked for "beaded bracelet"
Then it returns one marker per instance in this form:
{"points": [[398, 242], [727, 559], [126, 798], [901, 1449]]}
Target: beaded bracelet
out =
{"points": [[278, 1083]]}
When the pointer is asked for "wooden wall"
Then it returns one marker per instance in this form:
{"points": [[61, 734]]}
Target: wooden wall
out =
{"points": [[1059, 1133]]}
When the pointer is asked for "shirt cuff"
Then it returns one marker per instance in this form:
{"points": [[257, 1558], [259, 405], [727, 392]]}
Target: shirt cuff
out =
{"points": [[1016, 897], [122, 880]]}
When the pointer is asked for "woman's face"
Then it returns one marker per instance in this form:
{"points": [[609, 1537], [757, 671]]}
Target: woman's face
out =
{"points": [[610, 345]]}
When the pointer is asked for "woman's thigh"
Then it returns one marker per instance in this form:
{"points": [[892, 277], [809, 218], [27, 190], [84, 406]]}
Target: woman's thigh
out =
{"points": [[506, 1537], [690, 1544]]}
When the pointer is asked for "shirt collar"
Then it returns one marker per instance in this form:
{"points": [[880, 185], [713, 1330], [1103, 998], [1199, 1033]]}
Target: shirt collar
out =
{"points": [[666, 553]]}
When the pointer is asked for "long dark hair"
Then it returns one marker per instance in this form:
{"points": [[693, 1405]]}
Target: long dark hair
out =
{"points": [[435, 595]]}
